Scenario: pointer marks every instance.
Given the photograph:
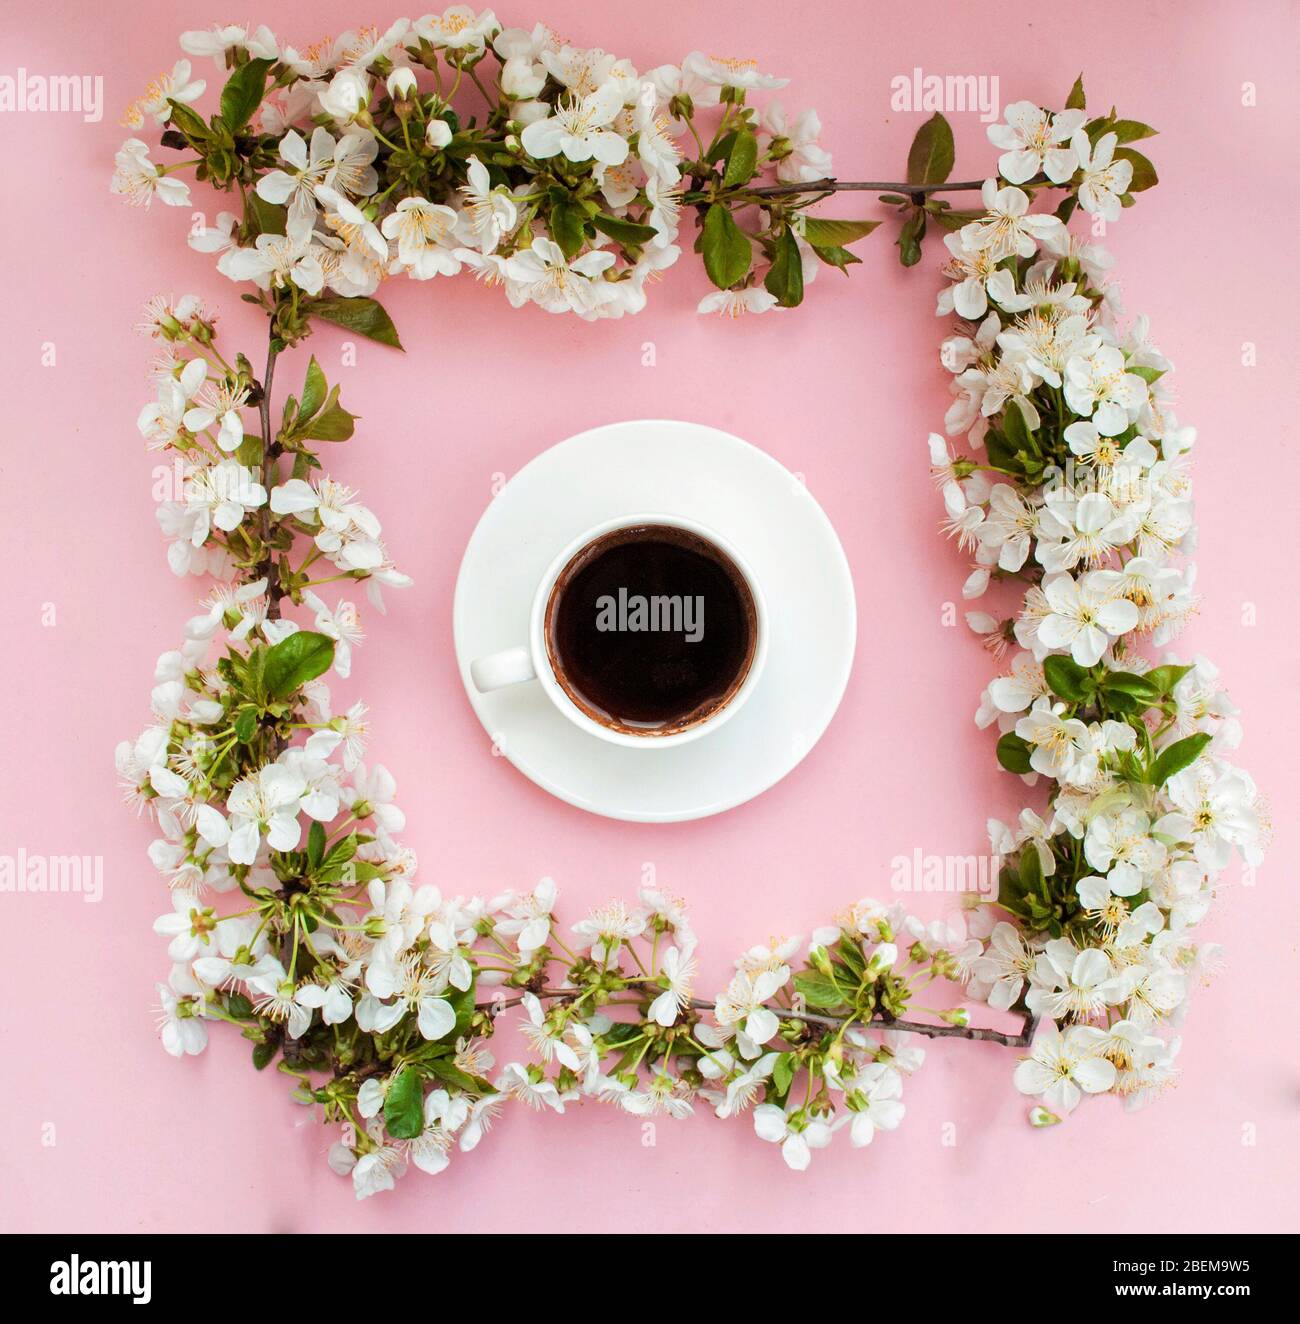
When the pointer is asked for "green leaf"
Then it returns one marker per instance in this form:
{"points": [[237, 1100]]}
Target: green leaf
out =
{"points": [[931, 156], [726, 248], [1131, 131], [364, 316], [242, 94], [1076, 101], [851, 954], [784, 277], [622, 231], [294, 661], [568, 227], [1031, 870], [462, 1003], [818, 991], [262, 1055], [1144, 173], [909, 238], [190, 124], [1067, 679], [1174, 758], [783, 1073], [1141, 688], [823, 233], [333, 423], [267, 217], [742, 160], [316, 844], [1166, 677], [837, 257], [1013, 753], [313, 390], [1016, 430], [404, 1105], [245, 725], [1148, 375], [453, 1075]]}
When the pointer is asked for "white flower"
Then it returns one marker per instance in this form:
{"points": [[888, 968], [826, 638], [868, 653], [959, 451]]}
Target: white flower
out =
{"points": [[190, 926], [1030, 142], [1091, 528], [458, 28], [263, 804], [579, 129], [421, 991], [341, 624], [158, 96], [353, 170], [679, 971], [1074, 984], [373, 798], [528, 919], [1099, 386], [179, 1025], [1105, 180], [973, 270], [1008, 228], [1083, 617], [309, 170], [797, 1136], [492, 211], [426, 234], [807, 160], [542, 273], [347, 95], [736, 303], [718, 71], [379, 1169], [611, 924], [742, 1004], [542, 1037], [1217, 803], [517, 1082], [163, 422], [1006, 964], [1063, 1067], [873, 1098], [221, 495], [214, 41], [275, 261], [139, 180]]}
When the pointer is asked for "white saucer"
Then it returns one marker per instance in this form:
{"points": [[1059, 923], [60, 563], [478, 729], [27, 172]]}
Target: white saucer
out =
{"points": [[755, 503]]}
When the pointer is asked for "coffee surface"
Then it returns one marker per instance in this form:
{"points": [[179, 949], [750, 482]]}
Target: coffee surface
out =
{"points": [[650, 629]]}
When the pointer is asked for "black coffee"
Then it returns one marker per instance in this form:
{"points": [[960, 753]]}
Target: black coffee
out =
{"points": [[650, 629]]}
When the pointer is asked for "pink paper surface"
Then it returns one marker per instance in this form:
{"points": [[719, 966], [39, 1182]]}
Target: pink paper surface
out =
{"points": [[104, 1131]]}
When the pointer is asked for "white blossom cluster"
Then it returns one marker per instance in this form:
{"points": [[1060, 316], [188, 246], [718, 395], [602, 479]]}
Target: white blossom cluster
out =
{"points": [[582, 116], [1083, 496]]}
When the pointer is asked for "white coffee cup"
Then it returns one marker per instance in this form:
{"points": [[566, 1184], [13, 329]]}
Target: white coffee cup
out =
{"points": [[531, 661]]}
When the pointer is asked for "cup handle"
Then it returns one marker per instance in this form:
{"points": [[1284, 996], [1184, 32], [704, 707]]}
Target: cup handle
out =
{"points": [[497, 670]]}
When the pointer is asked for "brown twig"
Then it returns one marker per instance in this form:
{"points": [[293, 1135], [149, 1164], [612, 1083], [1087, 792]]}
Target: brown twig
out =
{"points": [[972, 1032], [863, 186]]}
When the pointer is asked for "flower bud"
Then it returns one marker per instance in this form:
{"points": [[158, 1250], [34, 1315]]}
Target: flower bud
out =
{"points": [[1039, 1116], [438, 134], [882, 959], [401, 84], [956, 1016], [820, 960]]}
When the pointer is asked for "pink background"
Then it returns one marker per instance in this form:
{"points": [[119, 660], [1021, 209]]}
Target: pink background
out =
{"points": [[844, 390]]}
